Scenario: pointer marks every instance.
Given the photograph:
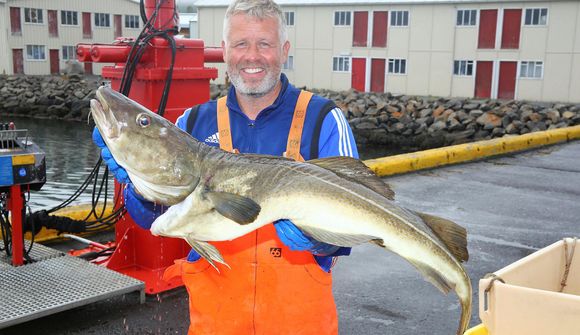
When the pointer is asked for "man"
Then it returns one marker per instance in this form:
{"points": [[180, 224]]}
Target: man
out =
{"points": [[279, 281]]}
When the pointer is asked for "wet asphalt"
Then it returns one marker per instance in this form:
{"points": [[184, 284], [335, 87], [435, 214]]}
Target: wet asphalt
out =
{"points": [[511, 207]]}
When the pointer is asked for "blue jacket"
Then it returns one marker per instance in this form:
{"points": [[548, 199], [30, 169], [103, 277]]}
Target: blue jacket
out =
{"points": [[267, 134]]}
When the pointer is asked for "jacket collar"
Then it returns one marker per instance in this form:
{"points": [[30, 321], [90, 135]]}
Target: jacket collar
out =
{"points": [[234, 106]]}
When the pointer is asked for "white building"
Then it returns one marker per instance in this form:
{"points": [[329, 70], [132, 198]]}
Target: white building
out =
{"points": [[463, 48], [39, 36]]}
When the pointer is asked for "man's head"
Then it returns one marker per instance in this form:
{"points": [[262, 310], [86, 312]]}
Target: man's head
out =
{"points": [[255, 45]]}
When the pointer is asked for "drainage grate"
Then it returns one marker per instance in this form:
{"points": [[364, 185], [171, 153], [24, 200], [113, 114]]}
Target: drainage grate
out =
{"points": [[57, 284]]}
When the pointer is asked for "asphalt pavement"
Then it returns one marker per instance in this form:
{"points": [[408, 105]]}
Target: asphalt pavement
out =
{"points": [[511, 207]]}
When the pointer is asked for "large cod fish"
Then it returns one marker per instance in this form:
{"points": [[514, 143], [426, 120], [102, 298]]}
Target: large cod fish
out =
{"points": [[216, 196]]}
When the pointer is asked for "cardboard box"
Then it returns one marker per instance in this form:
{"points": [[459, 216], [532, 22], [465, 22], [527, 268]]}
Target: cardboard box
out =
{"points": [[530, 301]]}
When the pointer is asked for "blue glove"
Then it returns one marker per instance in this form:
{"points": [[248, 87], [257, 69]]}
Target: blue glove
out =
{"points": [[295, 239], [142, 211], [117, 171]]}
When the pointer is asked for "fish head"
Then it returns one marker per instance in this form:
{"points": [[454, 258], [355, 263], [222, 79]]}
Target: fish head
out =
{"points": [[156, 154]]}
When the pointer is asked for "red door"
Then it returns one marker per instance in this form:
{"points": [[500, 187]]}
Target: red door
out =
{"points": [[378, 75], [118, 26], [361, 28], [17, 61], [380, 24], [15, 26], [87, 30], [54, 61], [507, 80], [510, 34], [483, 78], [487, 28], [358, 79], [52, 23], [88, 68]]}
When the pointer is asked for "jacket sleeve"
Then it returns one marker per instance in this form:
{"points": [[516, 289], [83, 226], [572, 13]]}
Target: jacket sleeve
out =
{"points": [[336, 139]]}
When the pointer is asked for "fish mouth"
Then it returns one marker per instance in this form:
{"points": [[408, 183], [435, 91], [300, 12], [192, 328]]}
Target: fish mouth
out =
{"points": [[104, 116]]}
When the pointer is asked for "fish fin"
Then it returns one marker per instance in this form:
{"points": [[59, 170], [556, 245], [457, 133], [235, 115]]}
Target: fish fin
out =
{"points": [[341, 240], [451, 234], [234, 207], [433, 277], [207, 251], [356, 171]]}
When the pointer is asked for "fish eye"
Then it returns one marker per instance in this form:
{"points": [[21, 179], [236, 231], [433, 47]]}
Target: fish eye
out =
{"points": [[143, 120]]}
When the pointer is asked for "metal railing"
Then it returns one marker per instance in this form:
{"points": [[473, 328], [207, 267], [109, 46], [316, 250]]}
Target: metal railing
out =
{"points": [[9, 139]]}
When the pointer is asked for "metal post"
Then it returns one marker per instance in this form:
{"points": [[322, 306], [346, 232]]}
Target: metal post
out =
{"points": [[16, 204]]}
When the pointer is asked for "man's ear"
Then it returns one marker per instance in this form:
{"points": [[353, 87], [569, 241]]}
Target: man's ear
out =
{"points": [[224, 50], [286, 50]]}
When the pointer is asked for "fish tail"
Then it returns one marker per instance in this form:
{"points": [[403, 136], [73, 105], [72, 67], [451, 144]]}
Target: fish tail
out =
{"points": [[465, 301]]}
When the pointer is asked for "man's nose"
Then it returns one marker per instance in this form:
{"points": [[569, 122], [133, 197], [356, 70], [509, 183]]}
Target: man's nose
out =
{"points": [[253, 53]]}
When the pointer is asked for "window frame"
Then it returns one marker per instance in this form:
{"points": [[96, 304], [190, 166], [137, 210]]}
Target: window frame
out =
{"points": [[345, 12], [535, 63], [289, 64], [37, 11], [287, 15], [468, 63], [463, 18], [43, 48], [532, 9], [138, 21], [98, 17], [347, 64], [394, 60], [75, 16], [69, 57], [392, 21]]}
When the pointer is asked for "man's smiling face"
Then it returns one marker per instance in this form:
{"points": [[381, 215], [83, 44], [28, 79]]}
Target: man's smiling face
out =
{"points": [[254, 54]]}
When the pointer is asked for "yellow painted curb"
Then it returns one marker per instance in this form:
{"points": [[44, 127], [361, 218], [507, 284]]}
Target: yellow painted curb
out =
{"points": [[77, 212], [426, 159]]}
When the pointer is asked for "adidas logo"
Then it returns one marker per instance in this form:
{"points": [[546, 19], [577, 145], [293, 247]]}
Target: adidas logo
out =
{"points": [[213, 138]]}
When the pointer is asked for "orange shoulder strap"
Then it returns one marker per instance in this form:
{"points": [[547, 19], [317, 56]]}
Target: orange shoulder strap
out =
{"points": [[224, 130], [295, 135]]}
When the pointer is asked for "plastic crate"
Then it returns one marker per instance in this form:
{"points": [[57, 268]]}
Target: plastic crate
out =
{"points": [[529, 300]]}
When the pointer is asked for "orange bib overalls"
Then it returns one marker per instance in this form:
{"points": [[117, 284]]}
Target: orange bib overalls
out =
{"points": [[269, 289]]}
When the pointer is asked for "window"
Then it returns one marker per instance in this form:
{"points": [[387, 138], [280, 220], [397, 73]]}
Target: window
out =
{"points": [[69, 18], [131, 21], [341, 64], [289, 17], [536, 16], [102, 20], [466, 17], [342, 18], [33, 15], [289, 65], [531, 69], [35, 52], [397, 66], [69, 52], [399, 18], [463, 68]]}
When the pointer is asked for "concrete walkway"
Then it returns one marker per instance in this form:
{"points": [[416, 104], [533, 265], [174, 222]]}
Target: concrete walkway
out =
{"points": [[511, 206]]}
